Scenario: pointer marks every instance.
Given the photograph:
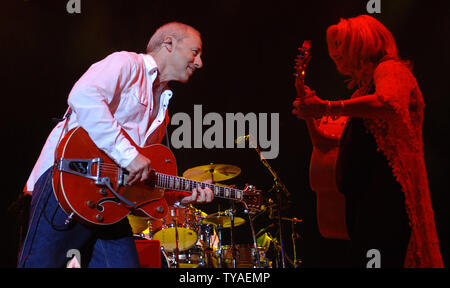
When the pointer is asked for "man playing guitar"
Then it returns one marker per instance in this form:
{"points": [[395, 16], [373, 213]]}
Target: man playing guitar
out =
{"points": [[120, 100]]}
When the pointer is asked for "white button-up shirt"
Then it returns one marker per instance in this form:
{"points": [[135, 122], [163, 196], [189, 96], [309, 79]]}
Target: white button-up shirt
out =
{"points": [[114, 93]]}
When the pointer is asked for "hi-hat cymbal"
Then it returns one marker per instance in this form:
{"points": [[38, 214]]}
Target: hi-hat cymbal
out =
{"points": [[224, 221], [214, 172]]}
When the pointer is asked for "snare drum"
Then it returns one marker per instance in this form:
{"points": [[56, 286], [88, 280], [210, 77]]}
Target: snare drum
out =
{"points": [[178, 220]]}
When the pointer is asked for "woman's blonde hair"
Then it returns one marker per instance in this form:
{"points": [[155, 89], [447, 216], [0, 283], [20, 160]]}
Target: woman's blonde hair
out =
{"points": [[360, 43]]}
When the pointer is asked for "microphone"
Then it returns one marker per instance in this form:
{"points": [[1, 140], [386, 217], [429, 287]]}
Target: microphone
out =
{"points": [[241, 139]]}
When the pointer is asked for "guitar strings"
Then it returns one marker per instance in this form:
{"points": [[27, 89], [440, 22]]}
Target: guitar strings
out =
{"points": [[170, 180]]}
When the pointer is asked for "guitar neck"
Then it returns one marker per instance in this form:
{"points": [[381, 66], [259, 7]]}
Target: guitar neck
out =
{"points": [[310, 122], [182, 184]]}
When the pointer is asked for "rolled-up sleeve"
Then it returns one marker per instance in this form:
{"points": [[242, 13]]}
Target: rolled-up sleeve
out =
{"points": [[92, 100]]}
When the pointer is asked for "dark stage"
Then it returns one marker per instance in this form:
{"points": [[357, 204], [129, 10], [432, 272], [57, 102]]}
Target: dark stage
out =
{"points": [[249, 49]]}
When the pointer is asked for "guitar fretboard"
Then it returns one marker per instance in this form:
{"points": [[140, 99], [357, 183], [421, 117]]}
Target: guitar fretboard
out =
{"points": [[182, 184]]}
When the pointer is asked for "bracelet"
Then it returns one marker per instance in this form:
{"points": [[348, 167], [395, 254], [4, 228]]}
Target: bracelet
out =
{"points": [[338, 110]]}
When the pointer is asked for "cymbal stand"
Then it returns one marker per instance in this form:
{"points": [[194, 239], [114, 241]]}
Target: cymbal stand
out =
{"points": [[220, 250], [295, 262], [294, 236], [281, 232], [256, 251], [208, 250], [177, 251], [233, 250]]}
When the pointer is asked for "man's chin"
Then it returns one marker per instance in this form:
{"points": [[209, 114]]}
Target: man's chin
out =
{"points": [[185, 80]]}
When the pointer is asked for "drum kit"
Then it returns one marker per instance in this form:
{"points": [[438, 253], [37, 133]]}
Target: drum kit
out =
{"points": [[190, 238]]}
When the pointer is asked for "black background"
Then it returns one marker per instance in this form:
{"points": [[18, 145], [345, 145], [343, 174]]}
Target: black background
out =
{"points": [[248, 53]]}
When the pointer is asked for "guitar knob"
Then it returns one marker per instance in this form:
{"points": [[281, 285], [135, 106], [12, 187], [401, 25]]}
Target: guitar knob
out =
{"points": [[102, 191], [90, 204], [160, 209], [99, 217]]}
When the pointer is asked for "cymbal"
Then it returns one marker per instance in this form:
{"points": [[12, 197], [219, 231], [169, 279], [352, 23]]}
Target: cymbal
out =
{"points": [[224, 221], [214, 172]]}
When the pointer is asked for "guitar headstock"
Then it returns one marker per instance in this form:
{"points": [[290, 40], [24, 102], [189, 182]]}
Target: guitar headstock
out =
{"points": [[252, 198], [301, 62], [302, 59]]}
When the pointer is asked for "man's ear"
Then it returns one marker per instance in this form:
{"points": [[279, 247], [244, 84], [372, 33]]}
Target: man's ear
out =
{"points": [[168, 43]]}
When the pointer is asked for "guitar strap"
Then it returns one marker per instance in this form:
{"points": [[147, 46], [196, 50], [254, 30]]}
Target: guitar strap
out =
{"points": [[167, 139], [167, 133], [48, 178]]}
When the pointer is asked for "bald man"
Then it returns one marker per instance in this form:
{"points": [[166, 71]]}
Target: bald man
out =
{"points": [[127, 92]]}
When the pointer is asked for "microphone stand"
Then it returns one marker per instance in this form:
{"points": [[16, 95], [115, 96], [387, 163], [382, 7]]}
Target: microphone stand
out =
{"points": [[279, 186]]}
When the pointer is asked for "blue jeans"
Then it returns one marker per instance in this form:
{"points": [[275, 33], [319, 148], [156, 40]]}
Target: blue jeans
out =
{"points": [[50, 242]]}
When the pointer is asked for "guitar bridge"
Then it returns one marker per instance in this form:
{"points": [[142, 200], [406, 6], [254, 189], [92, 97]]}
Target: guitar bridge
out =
{"points": [[81, 167]]}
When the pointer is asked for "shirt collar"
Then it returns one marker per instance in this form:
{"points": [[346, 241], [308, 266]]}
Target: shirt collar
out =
{"points": [[150, 64], [152, 69]]}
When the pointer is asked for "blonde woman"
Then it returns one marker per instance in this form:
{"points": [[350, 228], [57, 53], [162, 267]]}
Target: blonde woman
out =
{"points": [[381, 159]]}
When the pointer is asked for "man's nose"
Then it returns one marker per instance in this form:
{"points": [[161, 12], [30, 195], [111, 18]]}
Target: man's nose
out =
{"points": [[198, 62]]}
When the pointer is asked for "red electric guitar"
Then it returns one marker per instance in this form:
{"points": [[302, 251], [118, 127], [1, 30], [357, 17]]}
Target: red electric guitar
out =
{"points": [[90, 187], [325, 134]]}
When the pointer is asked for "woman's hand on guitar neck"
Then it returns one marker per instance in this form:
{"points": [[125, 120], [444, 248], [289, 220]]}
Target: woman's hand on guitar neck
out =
{"points": [[309, 105]]}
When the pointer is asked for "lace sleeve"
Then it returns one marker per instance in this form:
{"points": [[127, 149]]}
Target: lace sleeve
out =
{"points": [[399, 136], [394, 83]]}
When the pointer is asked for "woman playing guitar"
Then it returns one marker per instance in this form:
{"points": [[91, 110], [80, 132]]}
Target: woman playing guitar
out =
{"points": [[383, 175]]}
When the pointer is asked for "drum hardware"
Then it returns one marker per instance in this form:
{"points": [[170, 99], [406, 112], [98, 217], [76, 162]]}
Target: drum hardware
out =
{"points": [[186, 233], [256, 252], [177, 250], [217, 173], [165, 263], [280, 188], [294, 236], [177, 230], [233, 248], [205, 231], [223, 219]]}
